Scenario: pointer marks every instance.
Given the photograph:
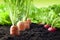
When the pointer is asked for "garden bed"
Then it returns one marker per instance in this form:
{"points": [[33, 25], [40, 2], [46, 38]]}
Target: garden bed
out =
{"points": [[36, 32]]}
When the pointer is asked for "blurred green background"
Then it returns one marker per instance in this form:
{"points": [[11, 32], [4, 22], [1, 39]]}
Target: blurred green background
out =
{"points": [[45, 3], [41, 11]]}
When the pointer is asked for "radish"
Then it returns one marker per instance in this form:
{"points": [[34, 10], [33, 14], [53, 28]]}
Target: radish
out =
{"points": [[46, 26], [20, 25], [14, 30], [51, 29]]}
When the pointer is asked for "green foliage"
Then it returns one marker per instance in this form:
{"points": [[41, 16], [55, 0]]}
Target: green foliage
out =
{"points": [[4, 16], [22, 9], [56, 8], [19, 9], [47, 15]]}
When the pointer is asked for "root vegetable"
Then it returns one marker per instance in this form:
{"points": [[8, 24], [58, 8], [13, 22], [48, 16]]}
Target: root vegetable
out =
{"points": [[46, 26], [20, 25], [14, 30], [29, 21], [51, 29], [26, 25]]}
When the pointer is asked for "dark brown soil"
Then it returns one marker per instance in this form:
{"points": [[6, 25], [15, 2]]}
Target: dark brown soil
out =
{"points": [[36, 32]]}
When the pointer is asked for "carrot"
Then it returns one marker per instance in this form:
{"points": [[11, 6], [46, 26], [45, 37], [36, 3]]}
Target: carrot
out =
{"points": [[14, 30], [26, 25], [29, 21], [20, 25]]}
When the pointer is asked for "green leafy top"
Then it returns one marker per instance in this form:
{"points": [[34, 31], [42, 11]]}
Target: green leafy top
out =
{"points": [[19, 9]]}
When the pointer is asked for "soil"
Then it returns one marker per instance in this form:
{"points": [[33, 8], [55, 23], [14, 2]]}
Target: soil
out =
{"points": [[36, 32]]}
